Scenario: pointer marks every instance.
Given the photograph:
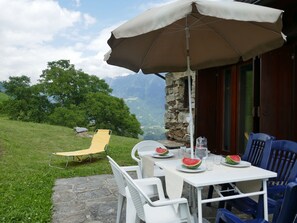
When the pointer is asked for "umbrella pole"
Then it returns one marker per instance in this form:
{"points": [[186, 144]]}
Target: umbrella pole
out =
{"points": [[190, 113], [189, 91]]}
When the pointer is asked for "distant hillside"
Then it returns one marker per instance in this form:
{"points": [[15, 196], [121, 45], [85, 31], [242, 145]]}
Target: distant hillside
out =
{"points": [[1, 87], [3, 96], [145, 96]]}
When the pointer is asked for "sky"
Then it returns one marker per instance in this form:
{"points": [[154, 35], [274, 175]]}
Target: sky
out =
{"points": [[35, 32]]}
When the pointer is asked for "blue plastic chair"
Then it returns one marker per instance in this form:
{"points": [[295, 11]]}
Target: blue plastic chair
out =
{"points": [[257, 144], [285, 212], [281, 158]]}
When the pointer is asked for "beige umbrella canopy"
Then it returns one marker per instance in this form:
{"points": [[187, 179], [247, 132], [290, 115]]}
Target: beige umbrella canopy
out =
{"points": [[190, 35]]}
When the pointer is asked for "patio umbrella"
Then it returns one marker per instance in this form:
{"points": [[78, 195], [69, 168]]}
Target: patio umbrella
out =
{"points": [[189, 35]]}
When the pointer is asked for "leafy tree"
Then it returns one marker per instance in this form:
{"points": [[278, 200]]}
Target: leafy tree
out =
{"points": [[69, 117], [26, 103], [67, 86], [69, 97], [111, 112], [3, 98], [17, 87]]}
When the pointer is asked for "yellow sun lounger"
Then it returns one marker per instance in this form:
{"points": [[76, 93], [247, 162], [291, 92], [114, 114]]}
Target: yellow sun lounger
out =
{"points": [[99, 144]]}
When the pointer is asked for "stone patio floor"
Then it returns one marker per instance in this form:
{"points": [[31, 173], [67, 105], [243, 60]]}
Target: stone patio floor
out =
{"points": [[93, 200]]}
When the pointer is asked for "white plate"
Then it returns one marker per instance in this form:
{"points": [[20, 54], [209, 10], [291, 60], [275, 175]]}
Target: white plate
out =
{"points": [[168, 155], [180, 167], [241, 164]]}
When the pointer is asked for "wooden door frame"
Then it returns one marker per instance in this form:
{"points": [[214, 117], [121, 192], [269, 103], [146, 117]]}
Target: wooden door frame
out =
{"points": [[219, 101], [220, 113]]}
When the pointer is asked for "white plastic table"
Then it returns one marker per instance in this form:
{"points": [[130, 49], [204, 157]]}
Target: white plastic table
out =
{"points": [[219, 175]]}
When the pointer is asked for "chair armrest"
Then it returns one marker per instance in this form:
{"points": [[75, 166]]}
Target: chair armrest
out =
{"points": [[226, 216], [149, 185], [276, 189], [276, 192], [131, 169], [134, 157], [170, 202]]}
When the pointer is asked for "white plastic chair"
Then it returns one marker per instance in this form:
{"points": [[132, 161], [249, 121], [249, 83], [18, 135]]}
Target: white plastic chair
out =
{"points": [[146, 147], [121, 184], [159, 211]]}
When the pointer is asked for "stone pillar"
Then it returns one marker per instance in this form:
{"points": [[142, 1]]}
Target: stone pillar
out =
{"points": [[176, 109]]}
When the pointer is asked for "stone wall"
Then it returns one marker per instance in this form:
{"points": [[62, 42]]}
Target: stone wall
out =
{"points": [[176, 110]]}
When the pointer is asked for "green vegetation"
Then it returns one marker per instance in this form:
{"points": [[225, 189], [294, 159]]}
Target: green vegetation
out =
{"points": [[3, 97], [68, 97], [26, 180]]}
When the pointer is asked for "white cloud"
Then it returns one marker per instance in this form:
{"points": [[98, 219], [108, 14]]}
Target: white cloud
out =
{"points": [[89, 20], [33, 33], [30, 22], [95, 64], [30, 62]]}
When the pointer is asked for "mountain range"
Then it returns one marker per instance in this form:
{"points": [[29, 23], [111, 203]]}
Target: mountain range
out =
{"points": [[145, 97]]}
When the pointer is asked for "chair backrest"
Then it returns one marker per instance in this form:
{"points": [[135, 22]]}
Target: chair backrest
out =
{"points": [[119, 178], [144, 146], [139, 198], [100, 139], [122, 179], [257, 144], [282, 158], [288, 209]]}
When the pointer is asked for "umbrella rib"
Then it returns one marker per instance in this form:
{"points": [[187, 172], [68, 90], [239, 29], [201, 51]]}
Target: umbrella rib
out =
{"points": [[149, 49], [198, 19], [208, 24], [221, 35], [263, 27], [178, 28]]}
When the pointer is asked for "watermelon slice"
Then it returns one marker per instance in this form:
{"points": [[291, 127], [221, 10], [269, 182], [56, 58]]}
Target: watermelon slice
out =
{"points": [[161, 151], [191, 163], [233, 159]]}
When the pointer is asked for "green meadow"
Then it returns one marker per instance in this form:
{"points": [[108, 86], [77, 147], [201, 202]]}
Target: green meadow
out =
{"points": [[26, 180]]}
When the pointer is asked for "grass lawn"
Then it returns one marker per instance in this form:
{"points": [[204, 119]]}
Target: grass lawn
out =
{"points": [[26, 180]]}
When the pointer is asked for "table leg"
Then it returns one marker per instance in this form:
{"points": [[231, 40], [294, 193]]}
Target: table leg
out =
{"points": [[192, 202], [199, 204], [265, 199]]}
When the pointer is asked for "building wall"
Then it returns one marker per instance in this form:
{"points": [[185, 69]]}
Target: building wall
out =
{"points": [[176, 112]]}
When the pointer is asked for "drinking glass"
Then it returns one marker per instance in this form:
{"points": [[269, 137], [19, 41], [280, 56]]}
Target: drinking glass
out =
{"points": [[217, 159], [187, 153], [182, 152], [209, 163]]}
